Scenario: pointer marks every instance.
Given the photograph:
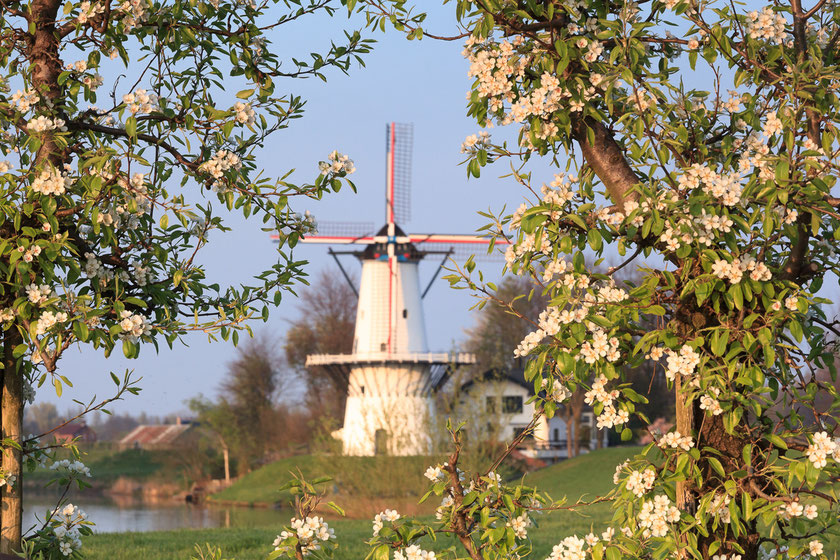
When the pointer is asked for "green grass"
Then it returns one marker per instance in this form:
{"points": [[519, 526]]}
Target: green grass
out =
{"points": [[358, 482], [108, 465], [591, 473], [586, 476]]}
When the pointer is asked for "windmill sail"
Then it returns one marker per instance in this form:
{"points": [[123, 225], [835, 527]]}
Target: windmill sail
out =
{"points": [[399, 143]]}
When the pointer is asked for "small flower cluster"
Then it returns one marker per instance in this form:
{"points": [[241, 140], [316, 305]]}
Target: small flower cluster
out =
{"points": [[435, 473], [38, 294], [610, 417], [7, 479], [244, 113], [719, 507], [414, 552], [134, 326], [554, 268], [558, 392], [655, 516], [734, 271], [89, 11], [475, 142], [683, 363], [520, 525], [141, 101], [310, 533], [710, 402], [570, 548], [47, 320], [675, 440], [337, 163], [772, 125], [389, 515], [220, 163], [703, 229], [724, 187], [25, 100], [6, 315], [65, 525], [766, 24], [74, 468], [602, 346], [641, 482], [51, 182], [821, 447], [558, 192], [43, 124], [31, 253], [137, 11]]}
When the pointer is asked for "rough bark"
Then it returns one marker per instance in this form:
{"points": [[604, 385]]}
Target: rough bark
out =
{"points": [[42, 50], [606, 157], [685, 425], [11, 496]]}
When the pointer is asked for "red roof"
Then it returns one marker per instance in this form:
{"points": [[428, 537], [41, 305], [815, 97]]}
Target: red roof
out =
{"points": [[72, 429], [162, 434]]}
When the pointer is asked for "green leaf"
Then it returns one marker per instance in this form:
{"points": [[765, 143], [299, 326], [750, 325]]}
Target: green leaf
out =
{"points": [[717, 466], [131, 127]]}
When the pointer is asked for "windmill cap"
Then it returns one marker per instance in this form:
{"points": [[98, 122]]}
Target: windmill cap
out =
{"points": [[403, 251]]}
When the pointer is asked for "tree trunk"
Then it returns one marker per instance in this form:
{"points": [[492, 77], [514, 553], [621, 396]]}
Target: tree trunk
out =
{"points": [[685, 426], [43, 54], [11, 495], [226, 455], [570, 432], [577, 411]]}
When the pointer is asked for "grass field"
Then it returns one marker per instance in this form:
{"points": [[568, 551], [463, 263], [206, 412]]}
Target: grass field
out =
{"points": [[108, 465], [592, 472]]}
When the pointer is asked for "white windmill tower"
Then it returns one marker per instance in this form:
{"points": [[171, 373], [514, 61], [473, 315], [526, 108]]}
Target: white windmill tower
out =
{"points": [[391, 374]]}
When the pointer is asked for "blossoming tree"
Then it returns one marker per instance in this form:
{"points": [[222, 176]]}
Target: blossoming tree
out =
{"points": [[698, 140], [124, 147]]}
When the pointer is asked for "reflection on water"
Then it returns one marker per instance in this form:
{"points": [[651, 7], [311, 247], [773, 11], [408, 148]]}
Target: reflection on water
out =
{"points": [[111, 516]]}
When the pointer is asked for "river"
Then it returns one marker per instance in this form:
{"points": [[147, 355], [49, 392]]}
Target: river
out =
{"points": [[113, 516]]}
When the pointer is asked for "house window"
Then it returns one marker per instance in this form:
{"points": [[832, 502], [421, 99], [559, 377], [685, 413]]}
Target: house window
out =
{"points": [[512, 404], [362, 389], [518, 431], [490, 405], [405, 313], [556, 434], [586, 420], [383, 347]]}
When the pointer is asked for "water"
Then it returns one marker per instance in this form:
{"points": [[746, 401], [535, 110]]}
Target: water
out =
{"points": [[112, 516]]}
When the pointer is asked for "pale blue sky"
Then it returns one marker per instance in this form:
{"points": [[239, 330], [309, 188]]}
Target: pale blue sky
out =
{"points": [[424, 83]]}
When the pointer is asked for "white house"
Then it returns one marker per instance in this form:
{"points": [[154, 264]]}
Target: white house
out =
{"points": [[501, 400]]}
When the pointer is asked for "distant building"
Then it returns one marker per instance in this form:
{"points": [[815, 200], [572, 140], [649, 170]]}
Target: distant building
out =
{"points": [[158, 436], [501, 399], [78, 431]]}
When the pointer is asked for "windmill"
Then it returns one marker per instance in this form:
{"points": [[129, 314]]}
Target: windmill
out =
{"points": [[391, 374]]}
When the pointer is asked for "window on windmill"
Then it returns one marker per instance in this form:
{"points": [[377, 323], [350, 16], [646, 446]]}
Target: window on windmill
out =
{"points": [[362, 389], [490, 405], [380, 442], [512, 404], [405, 313], [383, 347]]}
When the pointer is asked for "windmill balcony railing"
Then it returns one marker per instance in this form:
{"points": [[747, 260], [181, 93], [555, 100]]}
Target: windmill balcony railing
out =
{"points": [[407, 357]]}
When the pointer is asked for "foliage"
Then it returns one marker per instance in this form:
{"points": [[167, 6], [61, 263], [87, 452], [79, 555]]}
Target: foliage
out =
{"points": [[126, 151], [698, 140]]}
